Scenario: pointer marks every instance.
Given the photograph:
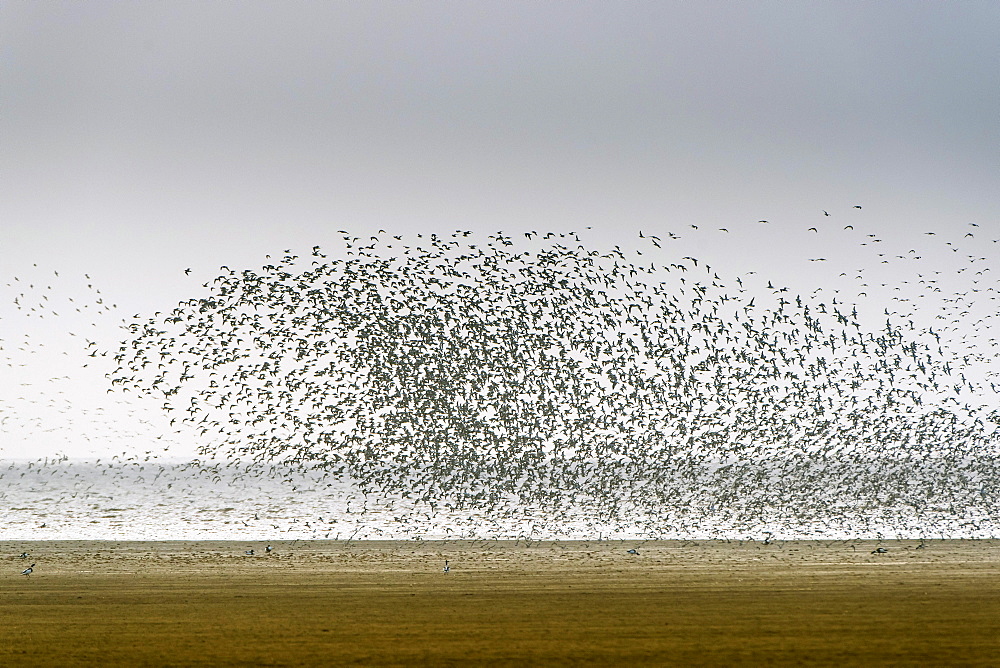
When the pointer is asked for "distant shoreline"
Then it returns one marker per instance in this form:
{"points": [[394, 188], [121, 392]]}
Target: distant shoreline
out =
{"points": [[67, 557], [666, 542]]}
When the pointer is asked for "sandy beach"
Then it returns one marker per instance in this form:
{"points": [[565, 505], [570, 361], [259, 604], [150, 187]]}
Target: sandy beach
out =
{"points": [[501, 603]]}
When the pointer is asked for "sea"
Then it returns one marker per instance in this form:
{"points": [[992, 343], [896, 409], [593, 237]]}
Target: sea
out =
{"points": [[178, 500], [154, 500]]}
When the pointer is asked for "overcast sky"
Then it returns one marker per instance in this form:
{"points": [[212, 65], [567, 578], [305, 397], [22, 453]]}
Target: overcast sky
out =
{"points": [[138, 139]]}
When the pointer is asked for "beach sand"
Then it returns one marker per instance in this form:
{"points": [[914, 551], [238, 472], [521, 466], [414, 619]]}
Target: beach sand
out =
{"points": [[502, 603]]}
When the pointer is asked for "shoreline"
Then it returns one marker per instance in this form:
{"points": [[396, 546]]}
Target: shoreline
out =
{"points": [[486, 555]]}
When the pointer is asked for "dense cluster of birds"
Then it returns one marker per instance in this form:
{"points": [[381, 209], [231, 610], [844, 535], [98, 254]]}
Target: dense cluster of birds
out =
{"points": [[533, 371]]}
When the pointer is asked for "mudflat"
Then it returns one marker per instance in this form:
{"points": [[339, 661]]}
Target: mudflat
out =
{"points": [[579, 603]]}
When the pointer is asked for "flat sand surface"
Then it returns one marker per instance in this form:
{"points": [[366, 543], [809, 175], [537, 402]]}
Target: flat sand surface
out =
{"points": [[548, 603]]}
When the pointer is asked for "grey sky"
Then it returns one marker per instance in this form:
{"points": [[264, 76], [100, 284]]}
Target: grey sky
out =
{"points": [[139, 139], [174, 129]]}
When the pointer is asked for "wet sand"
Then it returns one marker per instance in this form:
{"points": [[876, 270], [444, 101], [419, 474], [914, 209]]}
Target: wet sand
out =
{"points": [[506, 603]]}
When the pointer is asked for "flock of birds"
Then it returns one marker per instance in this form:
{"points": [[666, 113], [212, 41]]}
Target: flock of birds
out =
{"points": [[625, 384], [535, 371]]}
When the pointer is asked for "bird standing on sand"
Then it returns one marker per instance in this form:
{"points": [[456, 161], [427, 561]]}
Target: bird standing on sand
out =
{"points": [[446, 568], [29, 570]]}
